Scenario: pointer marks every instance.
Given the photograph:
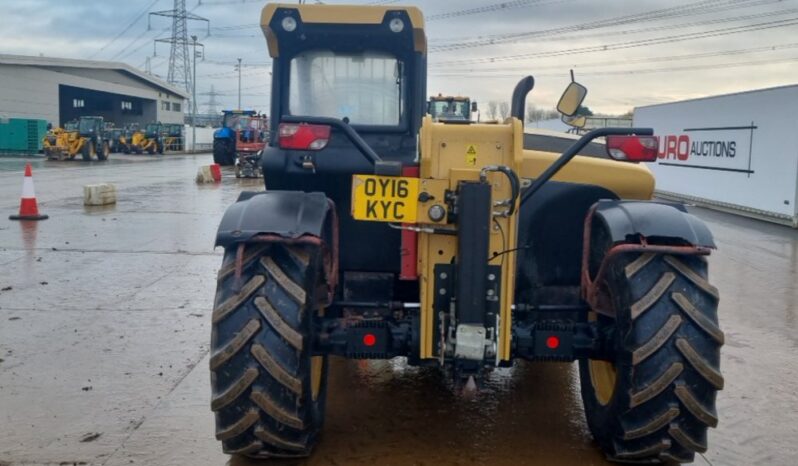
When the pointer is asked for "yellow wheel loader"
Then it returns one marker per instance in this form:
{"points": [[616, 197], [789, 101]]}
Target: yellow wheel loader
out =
{"points": [[137, 141], [85, 137], [51, 144], [125, 142], [148, 140], [153, 139], [383, 233], [62, 143]]}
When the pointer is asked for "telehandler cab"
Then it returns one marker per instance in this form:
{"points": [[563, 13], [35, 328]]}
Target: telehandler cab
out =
{"points": [[86, 137], [446, 107], [173, 137], [93, 140], [383, 233]]}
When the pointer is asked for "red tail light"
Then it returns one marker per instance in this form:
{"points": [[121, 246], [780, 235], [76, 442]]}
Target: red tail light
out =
{"points": [[633, 148], [303, 136], [369, 339]]}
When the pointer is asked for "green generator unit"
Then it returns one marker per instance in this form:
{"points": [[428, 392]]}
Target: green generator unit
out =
{"points": [[21, 136]]}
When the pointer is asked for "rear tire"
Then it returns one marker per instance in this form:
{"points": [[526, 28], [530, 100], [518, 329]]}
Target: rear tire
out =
{"points": [[268, 391], [104, 152], [87, 151], [655, 401], [224, 152]]}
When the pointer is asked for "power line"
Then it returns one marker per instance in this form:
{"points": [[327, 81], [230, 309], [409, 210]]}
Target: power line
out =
{"points": [[149, 60], [439, 16], [489, 8], [224, 2], [233, 63], [648, 70], [230, 74], [126, 29], [629, 44], [457, 72], [130, 44], [670, 27], [144, 43], [700, 8]]}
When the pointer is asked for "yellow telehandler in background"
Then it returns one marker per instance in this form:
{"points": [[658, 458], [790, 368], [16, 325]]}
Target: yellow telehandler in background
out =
{"points": [[86, 137]]}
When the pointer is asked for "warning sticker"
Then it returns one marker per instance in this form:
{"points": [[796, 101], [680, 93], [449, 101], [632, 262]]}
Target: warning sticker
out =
{"points": [[471, 155]]}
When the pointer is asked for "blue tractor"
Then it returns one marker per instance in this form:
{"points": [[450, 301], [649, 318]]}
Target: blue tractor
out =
{"points": [[224, 138]]}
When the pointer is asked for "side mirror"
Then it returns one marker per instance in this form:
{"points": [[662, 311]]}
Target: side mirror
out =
{"points": [[576, 121], [571, 99], [474, 107]]}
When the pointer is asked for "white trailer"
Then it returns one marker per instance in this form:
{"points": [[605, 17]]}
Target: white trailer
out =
{"points": [[735, 152]]}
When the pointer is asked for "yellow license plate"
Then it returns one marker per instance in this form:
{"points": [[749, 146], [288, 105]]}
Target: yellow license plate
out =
{"points": [[385, 198]]}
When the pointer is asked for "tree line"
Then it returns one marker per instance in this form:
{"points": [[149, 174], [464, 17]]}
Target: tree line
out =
{"points": [[501, 110]]}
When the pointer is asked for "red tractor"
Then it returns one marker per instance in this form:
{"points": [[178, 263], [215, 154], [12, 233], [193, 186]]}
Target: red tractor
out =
{"points": [[251, 137]]}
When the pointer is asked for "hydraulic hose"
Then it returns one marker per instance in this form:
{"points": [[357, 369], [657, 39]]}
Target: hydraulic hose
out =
{"points": [[515, 183]]}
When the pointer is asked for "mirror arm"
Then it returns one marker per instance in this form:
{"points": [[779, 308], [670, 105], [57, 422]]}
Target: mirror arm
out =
{"points": [[572, 151], [518, 102]]}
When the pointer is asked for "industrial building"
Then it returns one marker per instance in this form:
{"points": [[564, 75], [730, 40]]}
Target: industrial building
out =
{"points": [[59, 90]]}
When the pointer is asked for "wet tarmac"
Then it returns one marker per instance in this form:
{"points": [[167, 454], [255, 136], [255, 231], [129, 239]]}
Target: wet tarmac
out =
{"points": [[104, 331]]}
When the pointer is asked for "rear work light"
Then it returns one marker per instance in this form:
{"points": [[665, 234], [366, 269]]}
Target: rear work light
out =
{"points": [[302, 136], [633, 148]]}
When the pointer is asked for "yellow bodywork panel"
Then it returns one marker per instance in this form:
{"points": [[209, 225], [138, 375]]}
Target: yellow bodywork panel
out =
{"points": [[626, 180], [342, 14], [450, 154]]}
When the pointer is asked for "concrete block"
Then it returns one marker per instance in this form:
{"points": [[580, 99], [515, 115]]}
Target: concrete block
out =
{"points": [[99, 194], [204, 174]]}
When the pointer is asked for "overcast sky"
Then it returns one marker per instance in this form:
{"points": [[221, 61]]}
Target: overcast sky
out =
{"points": [[628, 53]]}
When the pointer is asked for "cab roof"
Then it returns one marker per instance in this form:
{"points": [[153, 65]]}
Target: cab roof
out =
{"points": [[342, 15], [456, 98]]}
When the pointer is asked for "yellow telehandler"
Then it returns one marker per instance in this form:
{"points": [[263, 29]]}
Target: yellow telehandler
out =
{"points": [[382, 233]]}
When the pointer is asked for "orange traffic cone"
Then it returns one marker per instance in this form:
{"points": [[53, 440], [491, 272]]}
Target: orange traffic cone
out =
{"points": [[28, 209]]}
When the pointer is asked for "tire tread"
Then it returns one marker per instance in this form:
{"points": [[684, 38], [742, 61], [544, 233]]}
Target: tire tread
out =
{"points": [[232, 347], [279, 325], [280, 374], [657, 386], [231, 304], [701, 365], [698, 318], [271, 407], [235, 390], [668, 368], [260, 354]]}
